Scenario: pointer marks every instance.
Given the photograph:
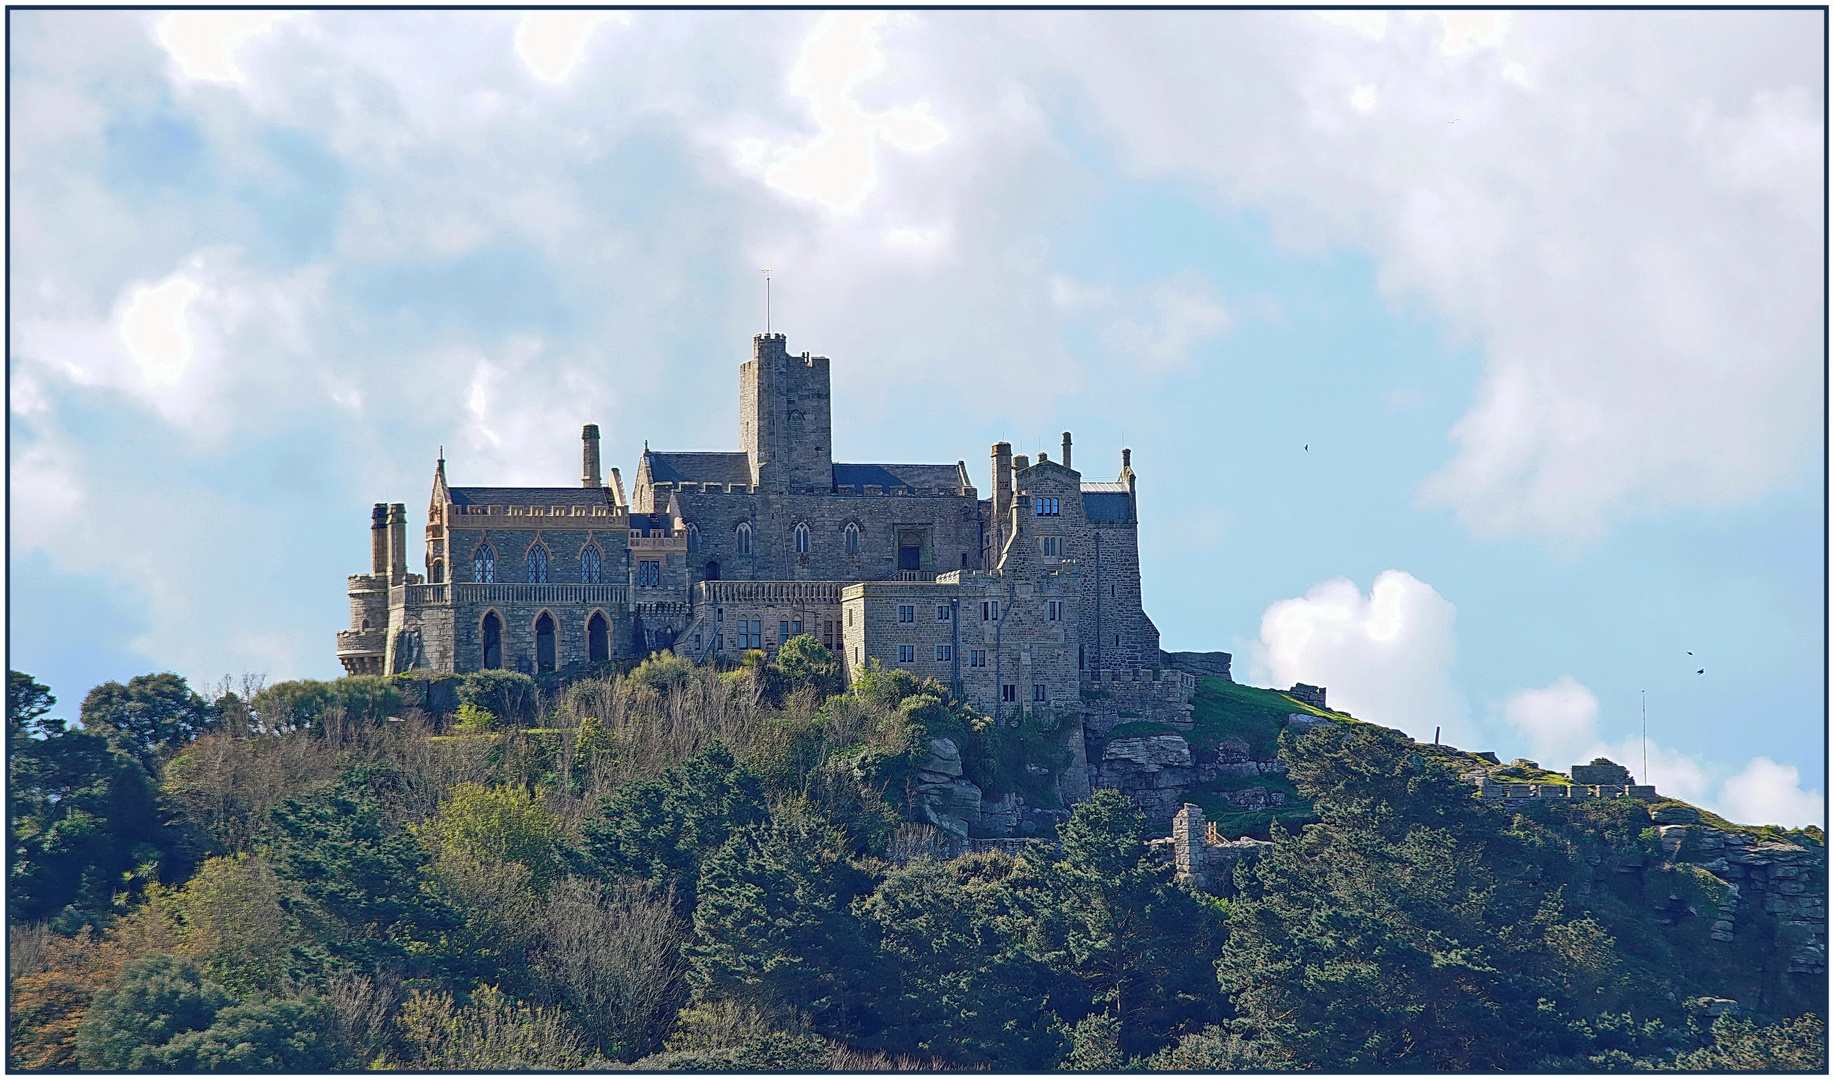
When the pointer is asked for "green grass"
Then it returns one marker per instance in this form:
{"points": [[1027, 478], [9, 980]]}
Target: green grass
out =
{"points": [[1221, 708]]}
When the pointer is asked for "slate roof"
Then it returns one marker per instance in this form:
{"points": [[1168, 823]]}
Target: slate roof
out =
{"points": [[1105, 502], [699, 467], [915, 477], [532, 496]]}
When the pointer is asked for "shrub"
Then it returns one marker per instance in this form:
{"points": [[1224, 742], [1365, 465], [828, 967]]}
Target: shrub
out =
{"points": [[804, 662], [298, 703], [662, 671], [509, 695]]}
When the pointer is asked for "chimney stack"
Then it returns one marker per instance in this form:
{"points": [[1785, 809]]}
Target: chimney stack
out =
{"points": [[1002, 496], [590, 478], [1066, 450], [1021, 463], [378, 539], [397, 544]]}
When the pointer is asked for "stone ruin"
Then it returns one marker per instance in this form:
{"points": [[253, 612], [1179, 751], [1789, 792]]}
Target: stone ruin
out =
{"points": [[1200, 856]]}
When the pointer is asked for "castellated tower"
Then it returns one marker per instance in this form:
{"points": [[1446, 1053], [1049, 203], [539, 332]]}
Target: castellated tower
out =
{"points": [[784, 418]]}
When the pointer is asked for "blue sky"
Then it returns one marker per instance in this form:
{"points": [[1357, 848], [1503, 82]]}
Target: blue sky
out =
{"points": [[1471, 362]]}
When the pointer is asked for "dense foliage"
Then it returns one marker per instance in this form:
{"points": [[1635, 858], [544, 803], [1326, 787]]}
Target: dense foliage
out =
{"points": [[686, 868]]}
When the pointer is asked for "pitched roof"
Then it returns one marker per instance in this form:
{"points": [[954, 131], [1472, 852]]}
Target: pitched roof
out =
{"points": [[1106, 502], [529, 496], [699, 467], [915, 477]]}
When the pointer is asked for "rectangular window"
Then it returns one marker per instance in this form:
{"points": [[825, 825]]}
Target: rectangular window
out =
{"points": [[1046, 506], [783, 630], [942, 613], [1053, 546], [942, 652], [907, 654], [977, 657], [719, 643], [827, 633], [1009, 692], [849, 616], [990, 610], [1053, 610], [796, 627], [697, 643], [907, 613], [1037, 691], [649, 574]]}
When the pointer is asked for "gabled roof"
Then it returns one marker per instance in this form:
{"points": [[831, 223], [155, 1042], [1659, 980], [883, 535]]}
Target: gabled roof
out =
{"points": [[915, 477], [698, 467], [530, 496]]}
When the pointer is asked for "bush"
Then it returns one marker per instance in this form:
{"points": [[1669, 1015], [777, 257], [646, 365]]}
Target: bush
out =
{"points": [[803, 661], [293, 705], [662, 671], [508, 695]]}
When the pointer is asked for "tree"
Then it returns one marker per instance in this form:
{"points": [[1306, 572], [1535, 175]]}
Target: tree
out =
{"points": [[772, 927], [1379, 939], [164, 1016], [493, 1032], [492, 826], [152, 715], [362, 894], [962, 986], [1139, 944], [233, 925], [26, 701], [508, 695], [1742, 1045], [662, 830], [611, 957], [804, 662]]}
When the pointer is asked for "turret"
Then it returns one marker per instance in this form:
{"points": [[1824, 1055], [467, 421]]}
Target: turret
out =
{"points": [[378, 539], [589, 457], [397, 544]]}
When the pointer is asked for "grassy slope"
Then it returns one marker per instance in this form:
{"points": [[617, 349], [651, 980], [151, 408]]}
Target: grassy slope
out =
{"points": [[1221, 709]]}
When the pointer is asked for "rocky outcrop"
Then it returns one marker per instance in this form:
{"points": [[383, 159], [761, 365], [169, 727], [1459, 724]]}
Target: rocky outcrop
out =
{"points": [[1153, 770], [941, 795], [1786, 881]]}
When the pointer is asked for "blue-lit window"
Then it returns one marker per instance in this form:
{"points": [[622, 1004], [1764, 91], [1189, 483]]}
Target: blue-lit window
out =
{"points": [[942, 652], [907, 654], [484, 564], [538, 565], [591, 565], [1046, 505]]}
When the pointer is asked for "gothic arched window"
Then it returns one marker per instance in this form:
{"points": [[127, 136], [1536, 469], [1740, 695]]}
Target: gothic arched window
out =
{"points": [[538, 565], [436, 574], [693, 537], [744, 538], [544, 643], [591, 565], [493, 641], [802, 539], [484, 564], [850, 538]]}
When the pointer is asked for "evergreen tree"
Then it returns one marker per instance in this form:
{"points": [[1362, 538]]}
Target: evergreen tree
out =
{"points": [[152, 715]]}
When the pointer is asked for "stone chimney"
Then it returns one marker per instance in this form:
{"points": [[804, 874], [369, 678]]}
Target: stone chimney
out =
{"points": [[1002, 496], [1021, 463], [378, 539], [397, 543], [589, 457], [1066, 450]]}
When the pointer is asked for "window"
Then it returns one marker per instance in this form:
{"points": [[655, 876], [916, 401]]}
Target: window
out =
{"points": [[850, 538], [598, 639], [1053, 546], [751, 633], [693, 537], [783, 630], [493, 641], [907, 613], [1009, 692], [544, 643], [849, 616], [796, 627], [591, 565], [942, 613], [1037, 691], [942, 652], [697, 643], [977, 657], [538, 565], [990, 610], [827, 634], [1046, 505], [907, 654], [649, 574], [744, 538], [802, 539], [1053, 610], [719, 643], [437, 573]]}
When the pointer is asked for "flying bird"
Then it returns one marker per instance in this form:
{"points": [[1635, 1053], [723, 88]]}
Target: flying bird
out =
{"points": [[1307, 448], [1702, 671]]}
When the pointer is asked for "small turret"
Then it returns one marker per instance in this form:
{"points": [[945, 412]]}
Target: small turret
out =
{"points": [[589, 457]]}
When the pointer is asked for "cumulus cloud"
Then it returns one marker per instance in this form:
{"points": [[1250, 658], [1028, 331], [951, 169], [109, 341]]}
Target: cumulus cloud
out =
{"points": [[1385, 656], [204, 43], [1560, 725], [1623, 211], [552, 43]]}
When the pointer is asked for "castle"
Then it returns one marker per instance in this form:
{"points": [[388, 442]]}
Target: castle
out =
{"points": [[1025, 600]]}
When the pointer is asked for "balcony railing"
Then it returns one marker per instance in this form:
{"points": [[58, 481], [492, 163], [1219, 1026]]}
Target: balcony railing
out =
{"points": [[465, 592], [768, 592]]}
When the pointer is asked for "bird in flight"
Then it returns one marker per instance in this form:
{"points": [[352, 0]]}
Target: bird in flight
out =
{"points": [[1307, 448], [1702, 671]]}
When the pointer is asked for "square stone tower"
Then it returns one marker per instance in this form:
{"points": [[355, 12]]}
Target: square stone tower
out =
{"points": [[784, 418]]}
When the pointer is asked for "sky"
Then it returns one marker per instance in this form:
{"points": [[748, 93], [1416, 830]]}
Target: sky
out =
{"points": [[1472, 362]]}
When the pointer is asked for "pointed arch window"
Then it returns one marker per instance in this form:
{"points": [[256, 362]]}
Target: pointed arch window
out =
{"points": [[544, 643], [591, 565], [436, 574], [484, 565], [850, 538], [693, 537], [538, 565], [493, 641], [802, 539], [744, 538]]}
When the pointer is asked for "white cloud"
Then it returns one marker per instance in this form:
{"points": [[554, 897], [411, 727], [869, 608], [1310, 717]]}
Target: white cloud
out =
{"points": [[155, 331], [1560, 723], [839, 167], [204, 43], [1181, 312], [1385, 657], [1767, 793], [552, 43], [1625, 218]]}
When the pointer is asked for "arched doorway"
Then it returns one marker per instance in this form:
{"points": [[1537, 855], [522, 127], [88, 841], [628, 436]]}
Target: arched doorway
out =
{"points": [[493, 641], [713, 570], [598, 638], [544, 643]]}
